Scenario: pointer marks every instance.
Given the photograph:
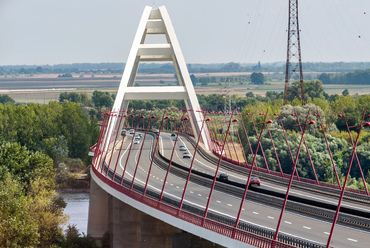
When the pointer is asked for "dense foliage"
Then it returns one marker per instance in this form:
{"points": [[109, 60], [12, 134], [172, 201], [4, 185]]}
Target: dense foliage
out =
{"points": [[356, 77], [40, 127], [30, 211]]}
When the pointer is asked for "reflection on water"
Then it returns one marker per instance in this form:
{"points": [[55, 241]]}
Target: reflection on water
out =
{"points": [[77, 209]]}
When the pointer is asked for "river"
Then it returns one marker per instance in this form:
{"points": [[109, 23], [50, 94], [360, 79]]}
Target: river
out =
{"points": [[77, 209]]}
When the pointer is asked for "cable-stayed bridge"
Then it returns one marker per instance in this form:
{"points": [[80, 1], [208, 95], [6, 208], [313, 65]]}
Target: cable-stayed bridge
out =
{"points": [[185, 181]]}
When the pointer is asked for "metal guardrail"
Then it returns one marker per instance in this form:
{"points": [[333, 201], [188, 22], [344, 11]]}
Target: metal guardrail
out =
{"points": [[247, 233], [325, 211]]}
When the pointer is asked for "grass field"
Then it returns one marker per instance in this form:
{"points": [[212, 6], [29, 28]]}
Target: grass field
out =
{"points": [[47, 87]]}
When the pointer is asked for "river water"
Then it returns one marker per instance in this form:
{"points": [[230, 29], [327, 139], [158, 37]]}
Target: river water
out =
{"points": [[77, 209]]}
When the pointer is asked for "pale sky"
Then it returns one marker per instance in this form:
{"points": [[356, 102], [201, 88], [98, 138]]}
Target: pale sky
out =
{"points": [[36, 32]]}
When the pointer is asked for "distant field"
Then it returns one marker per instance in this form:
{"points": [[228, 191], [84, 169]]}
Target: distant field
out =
{"points": [[47, 87]]}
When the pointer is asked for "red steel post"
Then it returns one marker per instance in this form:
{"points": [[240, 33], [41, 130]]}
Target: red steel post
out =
{"points": [[241, 145], [262, 151], [357, 160], [223, 135], [97, 153], [141, 148], [249, 143], [216, 172], [249, 178], [173, 151], [327, 145], [277, 157], [287, 143], [132, 142], [291, 178], [232, 141], [191, 164], [115, 140], [307, 150], [345, 181], [154, 151], [105, 141], [120, 150]]}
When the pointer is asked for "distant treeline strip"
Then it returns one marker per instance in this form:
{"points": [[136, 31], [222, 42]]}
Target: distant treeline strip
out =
{"points": [[356, 77], [151, 68]]}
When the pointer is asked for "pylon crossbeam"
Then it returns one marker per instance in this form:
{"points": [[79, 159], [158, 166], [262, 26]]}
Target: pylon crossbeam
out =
{"points": [[154, 22]]}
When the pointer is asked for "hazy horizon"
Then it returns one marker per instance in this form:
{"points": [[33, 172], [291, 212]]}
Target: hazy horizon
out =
{"points": [[44, 32]]}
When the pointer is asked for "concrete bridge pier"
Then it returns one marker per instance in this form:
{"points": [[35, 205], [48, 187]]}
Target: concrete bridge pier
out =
{"points": [[128, 227]]}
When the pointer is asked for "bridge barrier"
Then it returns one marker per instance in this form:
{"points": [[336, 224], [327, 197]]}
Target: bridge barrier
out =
{"points": [[247, 233], [349, 216]]}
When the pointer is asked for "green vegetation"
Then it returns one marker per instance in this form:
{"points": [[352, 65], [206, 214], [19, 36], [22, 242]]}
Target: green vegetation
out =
{"points": [[31, 213], [356, 77], [4, 99]]}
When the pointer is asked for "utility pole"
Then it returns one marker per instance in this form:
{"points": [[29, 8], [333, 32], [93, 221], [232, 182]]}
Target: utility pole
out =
{"points": [[293, 62]]}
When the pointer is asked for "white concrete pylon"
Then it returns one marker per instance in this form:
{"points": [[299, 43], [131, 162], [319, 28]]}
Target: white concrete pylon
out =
{"points": [[154, 22]]}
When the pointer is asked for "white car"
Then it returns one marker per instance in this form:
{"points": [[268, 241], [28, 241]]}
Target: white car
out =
{"points": [[132, 131], [186, 155], [136, 141], [183, 148]]}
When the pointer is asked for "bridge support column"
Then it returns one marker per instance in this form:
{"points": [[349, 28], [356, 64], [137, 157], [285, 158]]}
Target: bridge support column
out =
{"points": [[129, 227], [99, 221]]}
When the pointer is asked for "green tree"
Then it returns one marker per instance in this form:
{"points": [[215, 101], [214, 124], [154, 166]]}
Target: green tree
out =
{"points": [[345, 92], [257, 78], [4, 99]]}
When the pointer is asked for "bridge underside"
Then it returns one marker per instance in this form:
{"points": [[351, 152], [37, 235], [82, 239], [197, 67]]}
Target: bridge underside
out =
{"points": [[116, 223]]}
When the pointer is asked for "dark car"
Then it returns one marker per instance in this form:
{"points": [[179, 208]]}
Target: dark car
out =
{"points": [[223, 177], [123, 131], [255, 180]]}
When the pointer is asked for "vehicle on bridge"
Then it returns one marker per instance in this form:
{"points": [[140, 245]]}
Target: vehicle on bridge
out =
{"points": [[156, 131], [223, 177], [173, 134], [183, 148], [186, 155], [132, 131], [255, 180], [123, 132]]}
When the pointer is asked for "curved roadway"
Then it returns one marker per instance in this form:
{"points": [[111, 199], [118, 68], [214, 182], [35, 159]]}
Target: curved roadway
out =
{"points": [[224, 204]]}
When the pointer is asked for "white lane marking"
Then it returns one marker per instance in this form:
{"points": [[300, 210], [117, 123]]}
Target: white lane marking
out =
{"points": [[229, 205], [171, 184], [191, 192], [161, 144], [354, 240], [306, 227], [255, 213], [242, 209], [213, 210], [270, 217], [327, 233], [288, 222], [177, 187], [218, 201], [199, 194]]}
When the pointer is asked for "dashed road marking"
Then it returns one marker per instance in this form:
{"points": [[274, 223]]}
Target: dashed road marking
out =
{"points": [[288, 222], [191, 192], [353, 240], [229, 205], [218, 201], [177, 187], [306, 227], [327, 233], [199, 194], [270, 217], [255, 213]]}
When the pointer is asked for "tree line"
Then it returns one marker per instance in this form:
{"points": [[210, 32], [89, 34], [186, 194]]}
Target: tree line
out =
{"points": [[151, 68], [356, 77]]}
